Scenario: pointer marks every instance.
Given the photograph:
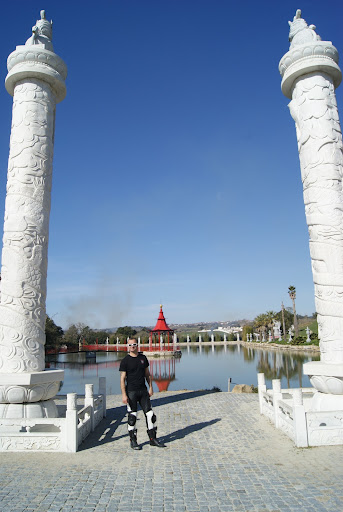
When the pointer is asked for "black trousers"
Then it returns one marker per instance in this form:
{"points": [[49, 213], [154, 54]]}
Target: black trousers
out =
{"points": [[140, 397]]}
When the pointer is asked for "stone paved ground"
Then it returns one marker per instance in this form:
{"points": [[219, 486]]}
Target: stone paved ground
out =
{"points": [[221, 455]]}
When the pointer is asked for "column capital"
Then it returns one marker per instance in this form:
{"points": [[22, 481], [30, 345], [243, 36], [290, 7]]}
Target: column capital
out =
{"points": [[36, 62], [318, 56]]}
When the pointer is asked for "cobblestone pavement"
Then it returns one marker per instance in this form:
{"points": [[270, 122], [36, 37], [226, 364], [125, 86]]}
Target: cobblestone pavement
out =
{"points": [[221, 455]]}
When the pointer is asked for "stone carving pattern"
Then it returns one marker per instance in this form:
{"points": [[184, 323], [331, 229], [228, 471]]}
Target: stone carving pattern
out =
{"points": [[27, 394], [84, 427], [27, 443], [286, 426], [327, 384], [324, 429], [40, 57], [26, 229], [268, 407], [314, 110], [323, 49]]}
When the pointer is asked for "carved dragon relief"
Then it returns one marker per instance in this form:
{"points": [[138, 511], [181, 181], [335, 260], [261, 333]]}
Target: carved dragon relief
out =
{"points": [[314, 110], [26, 228]]}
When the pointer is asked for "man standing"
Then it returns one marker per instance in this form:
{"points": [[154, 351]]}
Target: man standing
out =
{"points": [[134, 371]]}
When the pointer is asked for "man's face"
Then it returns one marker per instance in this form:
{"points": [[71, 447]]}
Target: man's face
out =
{"points": [[132, 346]]}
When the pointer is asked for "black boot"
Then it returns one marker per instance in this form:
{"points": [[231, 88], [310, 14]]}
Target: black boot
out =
{"points": [[133, 440], [153, 440]]}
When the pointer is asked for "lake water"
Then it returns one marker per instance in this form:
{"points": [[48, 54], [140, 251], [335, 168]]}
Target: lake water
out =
{"points": [[199, 368]]}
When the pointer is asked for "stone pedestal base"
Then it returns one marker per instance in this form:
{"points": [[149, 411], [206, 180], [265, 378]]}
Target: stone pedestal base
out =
{"points": [[21, 388], [326, 378], [327, 402], [45, 409]]}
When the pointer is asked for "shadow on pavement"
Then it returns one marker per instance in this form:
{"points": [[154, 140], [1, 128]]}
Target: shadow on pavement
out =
{"points": [[179, 397], [104, 432], [183, 432]]}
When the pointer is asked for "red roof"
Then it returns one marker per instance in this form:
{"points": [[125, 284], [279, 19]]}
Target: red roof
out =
{"points": [[161, 323]]}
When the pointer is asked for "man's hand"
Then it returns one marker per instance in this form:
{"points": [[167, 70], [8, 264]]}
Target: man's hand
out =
{"points": [[151, 391], [124, 399]]}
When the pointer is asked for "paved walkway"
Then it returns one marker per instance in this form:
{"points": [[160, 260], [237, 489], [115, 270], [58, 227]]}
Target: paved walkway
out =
{"points": [[221, 455]]}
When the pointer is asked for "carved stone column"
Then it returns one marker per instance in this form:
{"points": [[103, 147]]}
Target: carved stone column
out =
{"points": [[35, 79], [310, 74]]}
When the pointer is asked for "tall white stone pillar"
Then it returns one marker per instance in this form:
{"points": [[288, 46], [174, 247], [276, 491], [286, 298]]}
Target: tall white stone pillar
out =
{"points": [[36, 80], [310, 74]]}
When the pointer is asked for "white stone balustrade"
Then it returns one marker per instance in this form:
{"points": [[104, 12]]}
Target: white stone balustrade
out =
{"points": [[54, 434], [288, 409]]}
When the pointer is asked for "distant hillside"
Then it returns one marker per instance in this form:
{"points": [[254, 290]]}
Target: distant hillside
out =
{"points": [[197, 326]]}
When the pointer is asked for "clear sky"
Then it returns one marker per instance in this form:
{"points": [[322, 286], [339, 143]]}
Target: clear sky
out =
{"points": [[176, 170]]}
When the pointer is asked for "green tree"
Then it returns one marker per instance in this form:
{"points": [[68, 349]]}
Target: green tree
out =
{"points": [[54, 334], [270, 317], [126, 332], [292, 294], [103, 335], [71, 336], [75, 334], [247, 329], [261, 323], [288, 320]]}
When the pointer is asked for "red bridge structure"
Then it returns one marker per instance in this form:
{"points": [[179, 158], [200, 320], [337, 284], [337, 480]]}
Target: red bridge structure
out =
{"points": [[161, 330]]}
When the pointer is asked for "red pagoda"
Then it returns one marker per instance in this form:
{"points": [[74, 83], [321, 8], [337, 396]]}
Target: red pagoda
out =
{"points": [[161, 329]]}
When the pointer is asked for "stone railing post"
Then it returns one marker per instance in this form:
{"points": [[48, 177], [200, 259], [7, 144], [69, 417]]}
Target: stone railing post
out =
{"points": [[71, 423], [299, 418], [277, 396], [261, 383], [310, 74], [89, 401], [102, 391]]}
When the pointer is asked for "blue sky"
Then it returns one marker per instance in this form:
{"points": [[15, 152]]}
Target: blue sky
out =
{"points": [[176, 171]]}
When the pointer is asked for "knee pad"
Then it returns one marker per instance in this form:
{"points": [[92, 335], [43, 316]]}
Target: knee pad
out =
{"points": [[132, 418], [150, 419]]}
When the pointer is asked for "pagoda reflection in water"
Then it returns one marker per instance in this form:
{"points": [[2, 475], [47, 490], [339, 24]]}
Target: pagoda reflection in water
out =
{"points": [[163, 371]]}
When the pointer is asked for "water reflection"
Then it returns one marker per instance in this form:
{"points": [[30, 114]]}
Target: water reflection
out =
{"points": [[200, 367], [163, 371], [279, 365]]}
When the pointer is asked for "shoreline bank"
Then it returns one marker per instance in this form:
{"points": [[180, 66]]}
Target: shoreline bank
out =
{"points": [[249, 344]]}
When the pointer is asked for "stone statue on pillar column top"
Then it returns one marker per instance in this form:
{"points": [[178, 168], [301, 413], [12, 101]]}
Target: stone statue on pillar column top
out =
{"points": [[41, 33], [300, 33]]}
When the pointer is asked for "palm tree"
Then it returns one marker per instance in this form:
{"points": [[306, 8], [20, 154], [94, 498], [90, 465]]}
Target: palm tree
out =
{"points": [[292, 294], [260, 322], [283, 321]]}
